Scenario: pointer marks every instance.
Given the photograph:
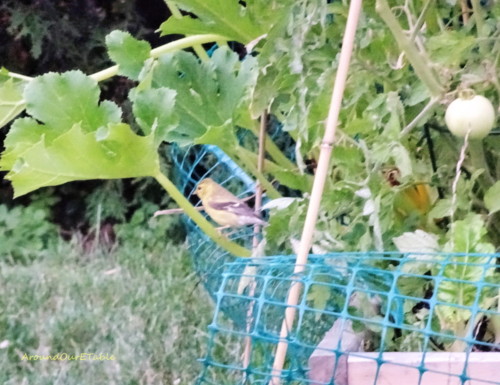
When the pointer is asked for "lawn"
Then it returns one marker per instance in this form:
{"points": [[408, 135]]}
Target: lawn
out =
{"points": [[139, 302]]}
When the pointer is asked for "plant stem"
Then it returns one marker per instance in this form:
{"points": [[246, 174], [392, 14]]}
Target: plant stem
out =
{"points": [[274, 169], [273, 151], [417, 59], [420, 20], [460, 331], [465, 11], [200, 220], [254, 158], [202, 54], [177, 45], [246, 161], [495, 321], [428, 107], [478, 161], [277, 155], [19, 76], [479, 19], [247, 352], [191, 41]]}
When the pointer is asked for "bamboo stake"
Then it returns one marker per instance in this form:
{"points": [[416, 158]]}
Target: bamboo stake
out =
{"points": [[318, 186], [260, 168], [247, 352]]}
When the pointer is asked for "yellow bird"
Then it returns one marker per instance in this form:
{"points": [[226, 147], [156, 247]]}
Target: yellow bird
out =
{"points": [[225, 208]]}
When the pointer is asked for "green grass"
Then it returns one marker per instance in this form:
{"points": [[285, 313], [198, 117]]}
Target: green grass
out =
{"points": [[138, 302]]}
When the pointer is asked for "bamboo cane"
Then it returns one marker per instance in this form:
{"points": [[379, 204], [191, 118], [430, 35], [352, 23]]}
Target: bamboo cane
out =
{"points": [[247, 352], [318, 186]]}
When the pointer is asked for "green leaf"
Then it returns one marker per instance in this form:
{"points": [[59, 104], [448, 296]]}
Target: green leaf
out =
{"points": [[189, 26], [439, 47], [11, 100], [492, 198], [441, 209], [459, 286], [284, 225], [418, 242], [112, 152], [319, 295], [24, 133], [385, 151], [73, 137], [358, 126], [467, 236], [402, 159], [223, 136], [209, 94], [129, 53], [294, 180], [227, 18], [418, 94], [462, 273], [146, 75], [154, 112], [61, 100], [412, 285]]}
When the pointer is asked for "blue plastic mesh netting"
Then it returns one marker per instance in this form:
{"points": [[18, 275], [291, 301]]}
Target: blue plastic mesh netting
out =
{"points": [[353, 303], [193, 164], [356, 309]]}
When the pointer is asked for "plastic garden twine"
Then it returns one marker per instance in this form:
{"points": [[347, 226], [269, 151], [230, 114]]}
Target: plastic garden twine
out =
{"points": [[318, 185]]}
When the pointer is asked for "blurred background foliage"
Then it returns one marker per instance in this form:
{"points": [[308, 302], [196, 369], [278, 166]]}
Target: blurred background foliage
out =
{"points": [[38, 36], [83, 267]]}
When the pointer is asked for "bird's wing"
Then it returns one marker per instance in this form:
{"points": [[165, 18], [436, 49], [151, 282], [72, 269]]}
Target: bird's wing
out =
{"points": [[238, 208]]}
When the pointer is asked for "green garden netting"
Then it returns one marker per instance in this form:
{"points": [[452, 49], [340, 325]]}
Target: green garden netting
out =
{"points": [[363, 318]]}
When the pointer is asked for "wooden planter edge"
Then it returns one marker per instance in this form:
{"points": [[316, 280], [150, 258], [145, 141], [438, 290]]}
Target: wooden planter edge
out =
{"points": [[435, 368]]}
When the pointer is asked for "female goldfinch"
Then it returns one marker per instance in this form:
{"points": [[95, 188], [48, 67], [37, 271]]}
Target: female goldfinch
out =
{"points": [[225, 208]]}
